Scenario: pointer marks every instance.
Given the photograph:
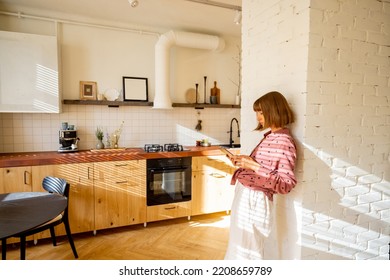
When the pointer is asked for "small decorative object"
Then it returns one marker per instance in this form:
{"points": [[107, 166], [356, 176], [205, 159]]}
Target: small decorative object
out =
{"points": [[237, 99], [99, 135], [111, 94], [238, 84], [205, 143], [205, 81], [100, 96], [135, 89], [116, 135], [88, 90], [196, 90], [108, 141], [191, 95], [215, 91], [198, 127]]}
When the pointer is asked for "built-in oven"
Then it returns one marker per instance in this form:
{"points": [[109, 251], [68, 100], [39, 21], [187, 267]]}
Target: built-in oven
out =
{"points": [[168, 180]]}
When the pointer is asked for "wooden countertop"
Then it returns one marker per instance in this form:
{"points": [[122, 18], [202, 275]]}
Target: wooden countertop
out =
{"points": [[86, 156]]}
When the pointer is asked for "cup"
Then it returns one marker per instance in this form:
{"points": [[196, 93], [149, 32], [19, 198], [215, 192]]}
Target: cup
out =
{"points": [[213, 99], [64, 126]]}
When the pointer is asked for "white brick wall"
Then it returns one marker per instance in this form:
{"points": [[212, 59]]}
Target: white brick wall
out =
{"points": [[340, 91]]}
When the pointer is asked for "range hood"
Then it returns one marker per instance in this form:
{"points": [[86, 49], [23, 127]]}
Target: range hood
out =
{"points": [[162, 99]]}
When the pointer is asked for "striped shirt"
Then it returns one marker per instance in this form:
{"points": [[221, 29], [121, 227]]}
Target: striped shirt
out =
{"points": [[276, 154]]}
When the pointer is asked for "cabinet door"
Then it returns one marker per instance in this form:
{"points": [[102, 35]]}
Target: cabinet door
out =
{"points": [[81, 195], [120, 193], [211, 189], [32, 76], [15, 179]]}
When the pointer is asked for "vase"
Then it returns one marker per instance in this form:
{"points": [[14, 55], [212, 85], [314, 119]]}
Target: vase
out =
{"points": [[100, 144]]}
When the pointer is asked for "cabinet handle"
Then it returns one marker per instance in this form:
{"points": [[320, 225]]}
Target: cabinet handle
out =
{"points": [[170, 208], [121, 182], [25, 177], [89, 168], [120, 165]]}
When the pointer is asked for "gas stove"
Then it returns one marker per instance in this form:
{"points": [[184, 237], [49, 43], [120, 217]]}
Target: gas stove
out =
{"points": [[172, 147]]}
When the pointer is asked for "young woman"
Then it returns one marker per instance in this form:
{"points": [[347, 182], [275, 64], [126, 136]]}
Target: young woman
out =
{"points": [[267, 171]]}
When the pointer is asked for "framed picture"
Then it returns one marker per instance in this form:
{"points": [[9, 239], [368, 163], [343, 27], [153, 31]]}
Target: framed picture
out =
{"points": [[135, 89], [87, 90]]}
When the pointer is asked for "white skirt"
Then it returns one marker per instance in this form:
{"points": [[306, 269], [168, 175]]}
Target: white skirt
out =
{"points": [[251, 221]]}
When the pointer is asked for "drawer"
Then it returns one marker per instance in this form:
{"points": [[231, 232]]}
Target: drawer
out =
{"points": [[168, 211], [119, 169]]}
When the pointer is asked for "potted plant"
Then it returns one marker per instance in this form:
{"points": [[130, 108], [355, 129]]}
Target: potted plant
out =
{"points": [[99, 135]]}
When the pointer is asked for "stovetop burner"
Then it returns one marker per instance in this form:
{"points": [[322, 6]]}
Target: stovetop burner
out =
{"points": [[172, 147], [150, 148]]}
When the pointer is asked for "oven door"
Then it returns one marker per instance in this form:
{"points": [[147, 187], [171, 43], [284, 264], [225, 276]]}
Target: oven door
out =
{"points": [[168, 185]]}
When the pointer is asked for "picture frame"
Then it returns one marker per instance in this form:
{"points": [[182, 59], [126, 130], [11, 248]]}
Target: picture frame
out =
{"points": [[88, 90], [135, 89]]}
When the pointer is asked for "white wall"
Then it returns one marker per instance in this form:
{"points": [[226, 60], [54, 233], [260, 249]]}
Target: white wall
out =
{"points": [[332, 63], [104, 55]]}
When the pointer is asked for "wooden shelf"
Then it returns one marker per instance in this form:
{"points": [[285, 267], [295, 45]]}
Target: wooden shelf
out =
{"points": [[142, 103], [202, 105], [107, 103]]}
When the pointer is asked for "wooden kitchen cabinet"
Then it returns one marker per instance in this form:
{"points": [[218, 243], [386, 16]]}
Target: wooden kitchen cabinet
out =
{"points": [[211, 189], [81, 194], [15, 179], [120, 193]]}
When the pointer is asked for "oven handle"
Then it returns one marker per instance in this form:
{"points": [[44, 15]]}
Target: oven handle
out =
{"points": [[153, 170]]}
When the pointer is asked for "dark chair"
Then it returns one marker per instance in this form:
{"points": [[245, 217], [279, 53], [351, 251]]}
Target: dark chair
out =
{"points": [[61, 187]]}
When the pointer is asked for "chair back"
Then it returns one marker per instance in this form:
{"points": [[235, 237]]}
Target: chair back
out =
{"points": [[56, 185]]}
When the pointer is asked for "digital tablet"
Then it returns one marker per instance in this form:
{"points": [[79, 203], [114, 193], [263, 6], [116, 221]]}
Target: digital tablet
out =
{"points": [[226, 151]]}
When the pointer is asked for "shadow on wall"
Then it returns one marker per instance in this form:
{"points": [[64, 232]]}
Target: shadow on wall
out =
{"points": [[343, 208]]}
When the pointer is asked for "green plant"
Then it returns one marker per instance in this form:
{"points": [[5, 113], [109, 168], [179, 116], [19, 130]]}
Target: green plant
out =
{"points": [[99, 133]]}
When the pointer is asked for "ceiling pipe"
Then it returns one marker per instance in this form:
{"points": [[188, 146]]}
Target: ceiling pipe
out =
{"points": [[162, 98]]}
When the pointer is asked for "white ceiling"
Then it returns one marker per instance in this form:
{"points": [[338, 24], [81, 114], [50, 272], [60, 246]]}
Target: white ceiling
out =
{"points": [[160, 15]]}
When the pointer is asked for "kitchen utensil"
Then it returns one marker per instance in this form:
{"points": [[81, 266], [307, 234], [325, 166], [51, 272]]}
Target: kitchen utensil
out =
{"points": [[205, 80]]}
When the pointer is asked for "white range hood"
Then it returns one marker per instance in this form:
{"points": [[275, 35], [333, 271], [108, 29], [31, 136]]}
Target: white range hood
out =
{"points": [[162, 99]]}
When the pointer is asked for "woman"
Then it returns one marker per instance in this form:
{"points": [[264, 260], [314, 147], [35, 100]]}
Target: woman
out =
{"points": [[267, 171]]}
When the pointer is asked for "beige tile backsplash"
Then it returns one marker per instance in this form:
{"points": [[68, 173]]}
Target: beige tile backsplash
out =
{"points": [[29, 132]]}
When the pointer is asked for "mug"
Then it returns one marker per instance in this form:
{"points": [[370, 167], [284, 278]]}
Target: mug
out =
{"points": [[213, 99], [64, 126]]}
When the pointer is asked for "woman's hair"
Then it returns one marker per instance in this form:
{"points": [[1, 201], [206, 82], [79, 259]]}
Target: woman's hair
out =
{"points": [[275, 109]]}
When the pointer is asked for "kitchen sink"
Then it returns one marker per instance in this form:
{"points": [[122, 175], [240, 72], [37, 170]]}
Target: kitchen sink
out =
{"points": [[230, 146]]}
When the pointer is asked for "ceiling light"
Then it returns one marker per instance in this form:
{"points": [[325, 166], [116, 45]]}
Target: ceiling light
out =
{"points": [[133, 3], [237, 17]]}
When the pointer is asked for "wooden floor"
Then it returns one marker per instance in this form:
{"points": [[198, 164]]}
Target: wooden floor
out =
{"points": [[202, 238]]}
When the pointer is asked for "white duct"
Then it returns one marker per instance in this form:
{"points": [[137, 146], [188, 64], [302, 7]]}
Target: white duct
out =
{"points": [[162, 98]]}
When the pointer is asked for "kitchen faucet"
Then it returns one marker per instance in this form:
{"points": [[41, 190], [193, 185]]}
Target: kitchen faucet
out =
{"points": [[231, 131]]}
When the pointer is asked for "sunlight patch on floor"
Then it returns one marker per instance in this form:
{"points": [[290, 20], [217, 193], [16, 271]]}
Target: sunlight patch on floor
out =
{"points": [[222, 222]]}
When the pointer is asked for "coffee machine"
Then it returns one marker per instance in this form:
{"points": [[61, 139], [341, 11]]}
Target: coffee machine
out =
{"points": [[68, 140]]}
